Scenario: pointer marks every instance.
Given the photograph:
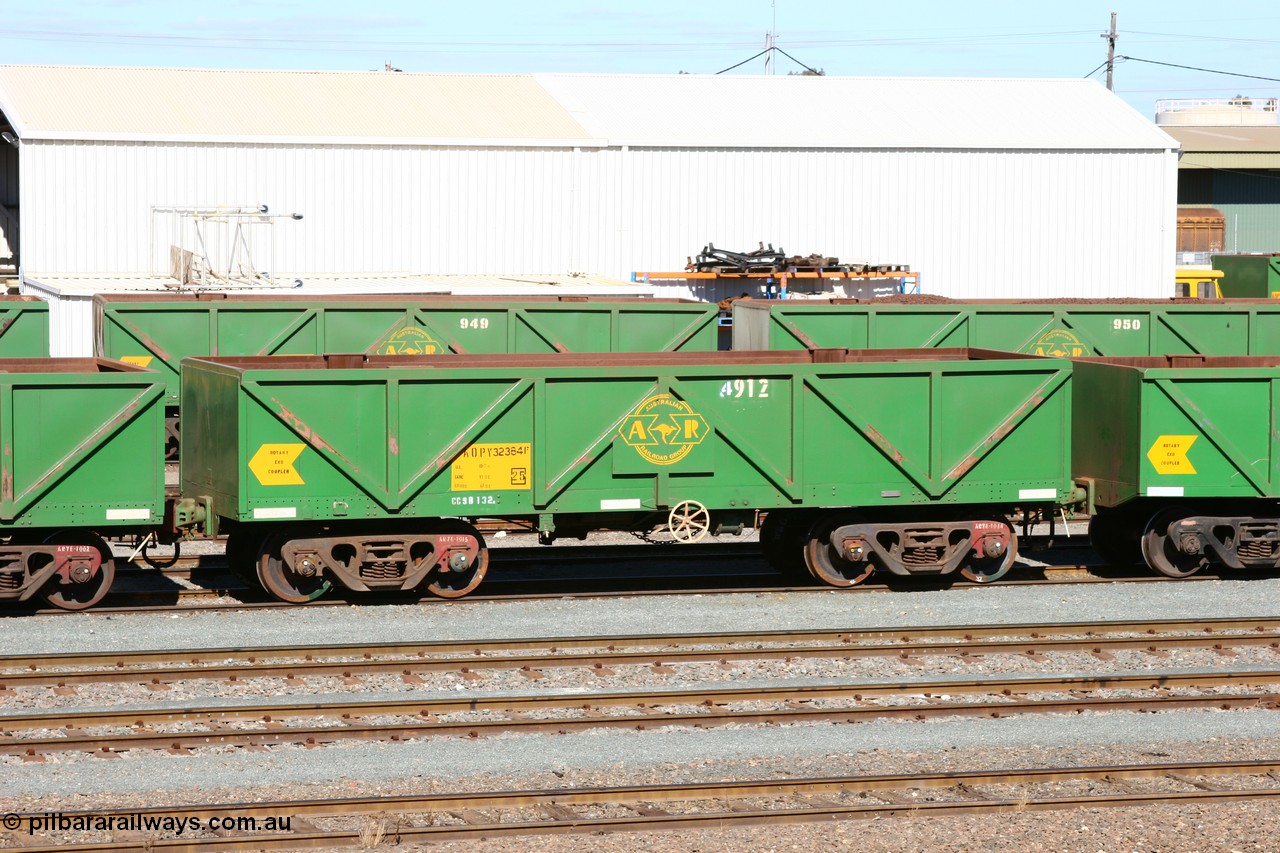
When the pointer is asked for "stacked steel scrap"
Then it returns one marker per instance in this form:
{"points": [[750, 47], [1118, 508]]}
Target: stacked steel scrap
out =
{"points": [[769, 260]]}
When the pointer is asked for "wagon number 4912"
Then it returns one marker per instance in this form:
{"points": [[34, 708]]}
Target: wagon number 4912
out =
{"points": [[758, 388]]}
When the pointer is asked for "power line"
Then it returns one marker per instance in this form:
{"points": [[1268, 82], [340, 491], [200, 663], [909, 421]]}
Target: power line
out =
{"points": [[796, 61], [1101, 66], [1194, 68], [770, 49], [745, 61], [1198, 37], [337, 42]]}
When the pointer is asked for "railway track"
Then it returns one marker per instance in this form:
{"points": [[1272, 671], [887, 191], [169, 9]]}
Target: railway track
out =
{"points": [[472, 716], [368, 821], [180, 595], [1101, 639]]}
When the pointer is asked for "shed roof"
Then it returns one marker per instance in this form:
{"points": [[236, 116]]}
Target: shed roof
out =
{"points": [[329, 284], [562, 110], [1233, 147]]}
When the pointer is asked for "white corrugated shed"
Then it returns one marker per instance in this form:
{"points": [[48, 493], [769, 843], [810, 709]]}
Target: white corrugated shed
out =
{"points": [[989, 188], [71, 314]]}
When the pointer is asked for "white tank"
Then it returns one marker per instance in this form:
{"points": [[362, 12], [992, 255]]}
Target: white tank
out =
{"points": [[1217, 112]]}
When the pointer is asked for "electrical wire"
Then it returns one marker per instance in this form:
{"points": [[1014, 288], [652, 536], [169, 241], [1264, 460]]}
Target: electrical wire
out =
{"points": [[769, 50], [1096, 70], [1194, 68], [745, 61], [796, 61]]}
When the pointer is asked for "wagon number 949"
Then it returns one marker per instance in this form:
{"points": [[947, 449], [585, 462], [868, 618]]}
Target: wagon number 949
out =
{"points": [[473, 322], [745, 388], [1118, 324]]}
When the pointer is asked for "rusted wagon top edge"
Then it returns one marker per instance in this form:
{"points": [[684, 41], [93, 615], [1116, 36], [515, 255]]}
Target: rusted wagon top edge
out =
{"points": [[928, 300], [440, 299], [355, 361], [67, 365], [1187, 361], [14, 297]]}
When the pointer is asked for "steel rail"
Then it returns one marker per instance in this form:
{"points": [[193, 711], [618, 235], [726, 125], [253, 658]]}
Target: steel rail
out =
{"points": [[646, 703], [556, 802], [409, 658], [698, 790], [904, 634], [351, 729], [1053, 576]]}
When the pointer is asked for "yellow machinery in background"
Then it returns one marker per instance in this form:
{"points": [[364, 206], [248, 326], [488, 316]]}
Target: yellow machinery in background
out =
{"points": [[1197, 283]]}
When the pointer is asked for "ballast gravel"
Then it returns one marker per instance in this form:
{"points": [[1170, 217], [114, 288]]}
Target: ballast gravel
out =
{"points": [[774, 611]]}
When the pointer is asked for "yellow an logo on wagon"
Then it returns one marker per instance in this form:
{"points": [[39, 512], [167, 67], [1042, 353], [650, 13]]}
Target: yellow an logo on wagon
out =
{"points": [[1059, 343], [663, 429], [410, 340]]}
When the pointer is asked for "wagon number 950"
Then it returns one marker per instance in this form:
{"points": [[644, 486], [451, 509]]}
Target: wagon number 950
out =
{"points": [[745, 388], [473, 322], [1126, 325]]}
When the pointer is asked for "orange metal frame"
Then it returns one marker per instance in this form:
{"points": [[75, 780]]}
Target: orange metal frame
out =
{"points": [[783, 277]]}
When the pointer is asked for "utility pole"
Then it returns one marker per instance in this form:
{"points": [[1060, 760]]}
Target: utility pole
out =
{"points": [[769, 37], [1111, 52]]}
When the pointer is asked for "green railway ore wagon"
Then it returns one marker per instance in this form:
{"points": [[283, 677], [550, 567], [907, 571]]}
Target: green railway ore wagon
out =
{"points": [[24, 327], [1254, 276], [158, 331], [1184, 464], [1066, 328], [358, 470], [82, 457]]}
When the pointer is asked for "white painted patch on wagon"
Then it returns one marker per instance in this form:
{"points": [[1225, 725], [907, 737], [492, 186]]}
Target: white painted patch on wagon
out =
{"points": [[128, 515], [1037, 494], [276, 512], [1165, 491]]}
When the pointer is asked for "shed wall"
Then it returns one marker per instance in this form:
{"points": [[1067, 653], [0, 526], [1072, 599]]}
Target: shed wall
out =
{"points": [[976, 223], [1251, 203]]}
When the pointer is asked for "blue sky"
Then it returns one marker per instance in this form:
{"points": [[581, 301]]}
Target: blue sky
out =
{"points": [[995, 39]]}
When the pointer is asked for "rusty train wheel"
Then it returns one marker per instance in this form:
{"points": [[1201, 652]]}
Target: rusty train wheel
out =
{"points": [[283, 580], [1161, 551], [450, 584], [825, 562], [84, 594], [988, 569]]}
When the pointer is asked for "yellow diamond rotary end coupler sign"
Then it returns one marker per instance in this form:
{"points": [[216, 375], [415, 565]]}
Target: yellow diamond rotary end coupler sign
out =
{"points": [[273, 464], [1169, 454], [138, 360]]}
